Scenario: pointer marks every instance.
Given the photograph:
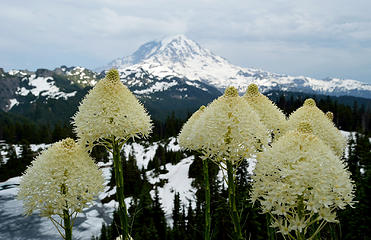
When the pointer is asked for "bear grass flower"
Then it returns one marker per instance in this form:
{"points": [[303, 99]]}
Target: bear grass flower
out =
{"points": [[226, 131], [273, 118], [109, 115], [186, 134], [61, 181], [186, 140], [322, 126], [300, 181], [110, 109], [229, 129]]}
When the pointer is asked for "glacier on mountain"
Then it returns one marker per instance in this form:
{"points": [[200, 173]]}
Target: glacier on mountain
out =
{"points": [[181, 57]]}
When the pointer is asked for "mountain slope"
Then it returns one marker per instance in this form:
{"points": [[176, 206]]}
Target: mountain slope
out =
{"points": [[181, 57], [53, 95]]}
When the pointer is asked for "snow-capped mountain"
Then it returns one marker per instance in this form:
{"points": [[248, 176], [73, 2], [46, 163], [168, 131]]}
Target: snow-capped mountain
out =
{"points": [[181, 57]]}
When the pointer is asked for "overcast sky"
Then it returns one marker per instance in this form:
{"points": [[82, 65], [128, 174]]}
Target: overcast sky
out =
{"points": [[316, 38]]}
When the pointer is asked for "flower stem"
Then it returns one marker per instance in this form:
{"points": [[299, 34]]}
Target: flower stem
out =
{"points": [[232, 202], [67, 225], [270, 231], [207, 199], [119, 177], [66, 215]]}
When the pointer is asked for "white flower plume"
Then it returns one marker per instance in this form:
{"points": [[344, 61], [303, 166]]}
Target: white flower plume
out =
{"points": [[322, 126], [186, 134], [298, 172], [63, 177], [273, 118], [110, 109], [228, 127]]}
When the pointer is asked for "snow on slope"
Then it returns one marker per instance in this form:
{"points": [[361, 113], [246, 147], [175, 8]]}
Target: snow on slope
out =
{"points": [[157, 87], [178, 182], [38, 86], [184, 58], [13, 225]]}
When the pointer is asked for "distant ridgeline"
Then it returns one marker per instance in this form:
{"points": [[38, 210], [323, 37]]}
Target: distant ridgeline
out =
{"points": [[44, 121]]}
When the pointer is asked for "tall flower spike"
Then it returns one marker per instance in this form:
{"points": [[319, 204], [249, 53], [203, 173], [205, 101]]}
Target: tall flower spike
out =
{"points": [[109, 115], [186, 134], [62, 178], [321, 125], [110, 109], [186, 140], [228, 131], [269, 113], [300, 176], [229, 126]]}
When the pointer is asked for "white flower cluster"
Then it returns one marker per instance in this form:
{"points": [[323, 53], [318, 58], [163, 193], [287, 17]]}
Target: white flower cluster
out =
{"points": [[185, 137], [300, 179], [228, 128], [110, 109], [63, 177], [273, 118], [322, 125]]}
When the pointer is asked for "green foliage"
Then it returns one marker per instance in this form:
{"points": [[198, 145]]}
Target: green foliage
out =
{"points": [[355, 222]]}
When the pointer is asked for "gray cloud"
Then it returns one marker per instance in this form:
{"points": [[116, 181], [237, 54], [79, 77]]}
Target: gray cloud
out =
{"points": [[314, 38]]}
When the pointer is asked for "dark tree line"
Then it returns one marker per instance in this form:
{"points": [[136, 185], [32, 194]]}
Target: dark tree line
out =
{"points": [[356, 117]]}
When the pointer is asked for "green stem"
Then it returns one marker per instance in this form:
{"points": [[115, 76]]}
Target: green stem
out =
{"points": [[232, 202], [66, 215], [119, 177], [270, 231], [67, 225], [300, 235], [207, 200]]}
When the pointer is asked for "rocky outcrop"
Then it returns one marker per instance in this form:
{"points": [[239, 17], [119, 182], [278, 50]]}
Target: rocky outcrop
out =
{"points": [[8, 87]]}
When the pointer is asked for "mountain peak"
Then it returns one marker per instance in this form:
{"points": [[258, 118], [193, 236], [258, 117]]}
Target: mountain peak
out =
{"points": [[177, 38], [174, 49], [181, 57]]}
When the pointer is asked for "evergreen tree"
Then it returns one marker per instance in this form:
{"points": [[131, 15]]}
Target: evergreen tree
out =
{"points": [[159, 216], [142, 215], [177, 217], [355, 222], [103, 232], [12, 166], [190, 227]]}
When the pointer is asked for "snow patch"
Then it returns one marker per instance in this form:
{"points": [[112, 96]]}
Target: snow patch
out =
{"points": [[13, 102], [43, 86], [157, 87], [178, 181]]}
